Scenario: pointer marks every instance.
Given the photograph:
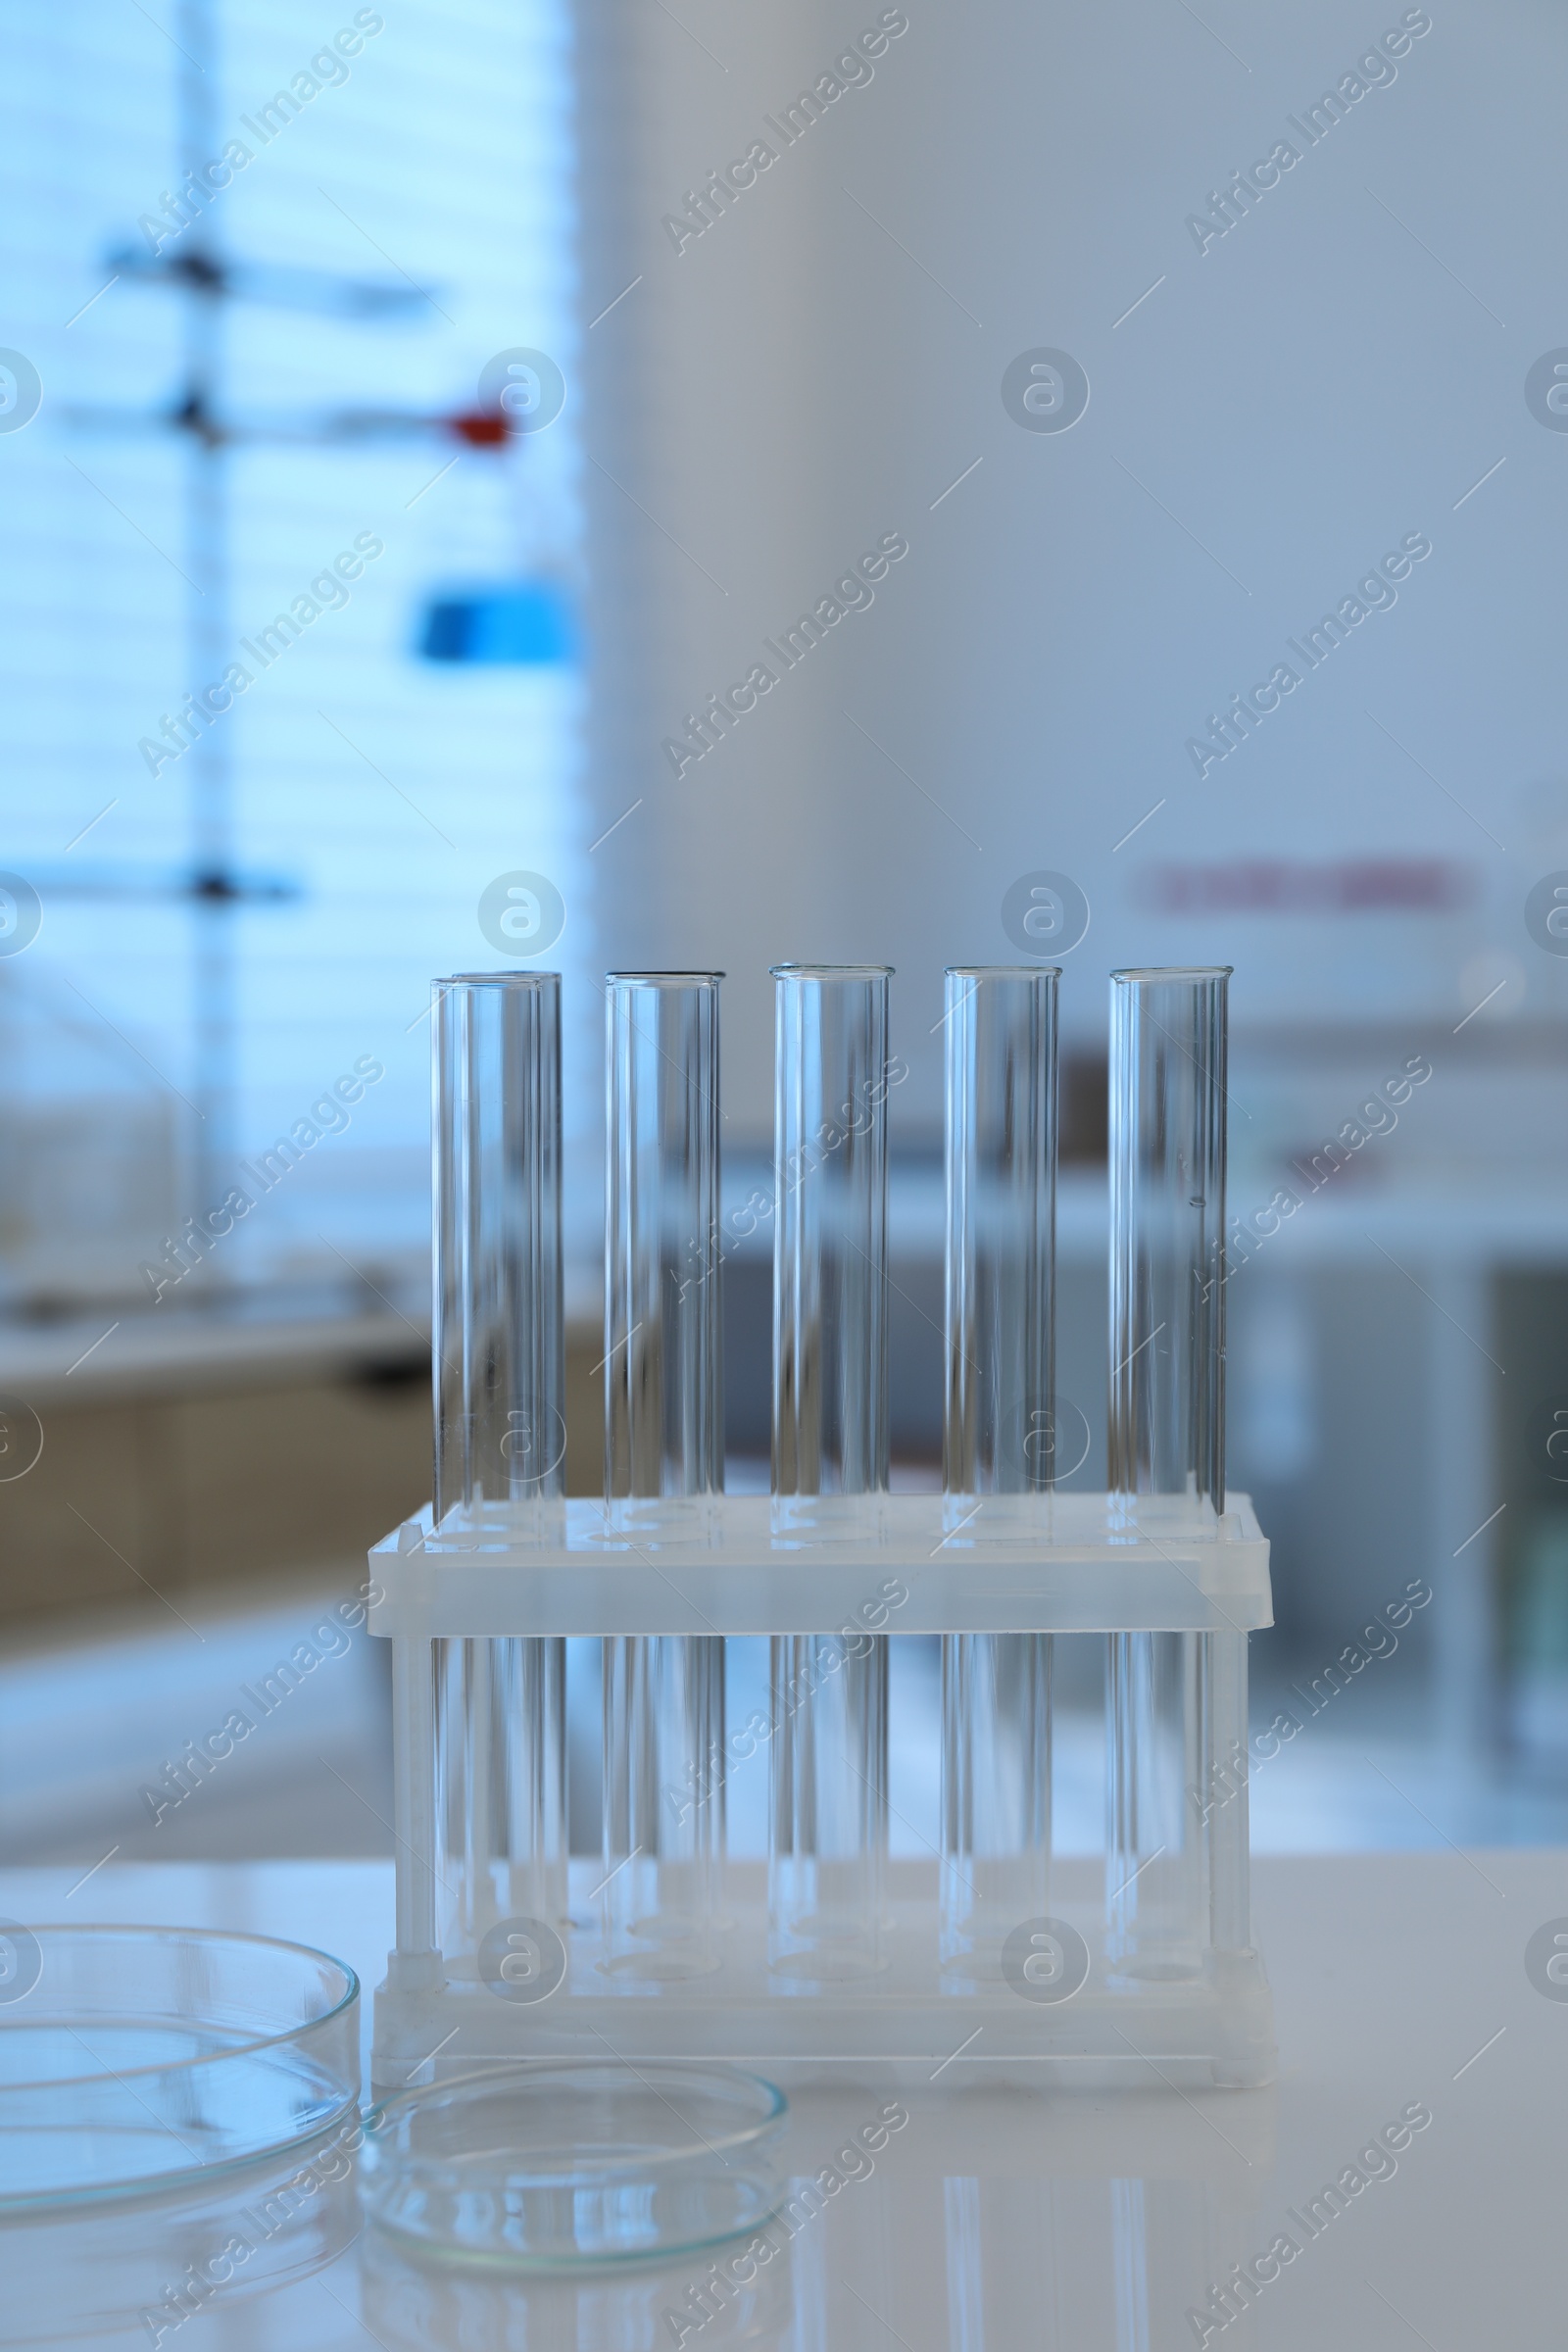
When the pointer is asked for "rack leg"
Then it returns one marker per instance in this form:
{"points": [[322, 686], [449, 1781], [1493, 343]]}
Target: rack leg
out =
{"points": [[417, 1961], [1226, 1811]]}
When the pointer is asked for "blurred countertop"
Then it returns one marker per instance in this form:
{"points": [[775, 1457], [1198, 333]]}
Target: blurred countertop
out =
{"points": [[1363, 1213], [100, 1359]]}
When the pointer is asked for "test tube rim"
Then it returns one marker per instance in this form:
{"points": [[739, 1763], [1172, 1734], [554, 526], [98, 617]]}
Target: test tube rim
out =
{"points": [[507, 979], [831, 971], [1001, 971], [1138, 975], [662, 979]]}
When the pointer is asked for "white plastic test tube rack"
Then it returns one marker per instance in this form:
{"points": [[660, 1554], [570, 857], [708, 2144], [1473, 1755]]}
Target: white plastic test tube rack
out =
{"points": [[994, 1954]]}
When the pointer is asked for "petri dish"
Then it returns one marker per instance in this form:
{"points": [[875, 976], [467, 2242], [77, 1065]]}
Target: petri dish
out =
{"points": [[565, 2167], [136, 2059], [128, 2273]]}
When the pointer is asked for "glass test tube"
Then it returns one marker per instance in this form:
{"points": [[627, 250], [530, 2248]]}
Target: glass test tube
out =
{"points": [[1167, 1438], [499, 1430], [664, 1694], [829, 1748], [999, 1456]]}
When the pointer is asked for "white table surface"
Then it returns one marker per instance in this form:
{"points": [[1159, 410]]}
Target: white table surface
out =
{"points": [[1004, 2220]]}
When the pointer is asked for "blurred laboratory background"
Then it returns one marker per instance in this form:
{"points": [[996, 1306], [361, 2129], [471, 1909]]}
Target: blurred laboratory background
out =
{"points": [[698, 486]]}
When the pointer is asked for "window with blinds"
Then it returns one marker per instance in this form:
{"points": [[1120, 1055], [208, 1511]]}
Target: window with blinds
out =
{"points": [[290, 599]]}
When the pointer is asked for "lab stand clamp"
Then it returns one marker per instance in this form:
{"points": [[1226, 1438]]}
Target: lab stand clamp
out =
{"points": [[997, 1956]]}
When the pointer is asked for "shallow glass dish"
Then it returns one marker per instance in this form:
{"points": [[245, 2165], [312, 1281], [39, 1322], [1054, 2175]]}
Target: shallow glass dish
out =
{"points": [[134, 2059], [571, 2167]]}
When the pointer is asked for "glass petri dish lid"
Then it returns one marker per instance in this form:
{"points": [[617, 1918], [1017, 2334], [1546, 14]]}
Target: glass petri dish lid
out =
{"points": [[136, 2059], [563, 2167]]}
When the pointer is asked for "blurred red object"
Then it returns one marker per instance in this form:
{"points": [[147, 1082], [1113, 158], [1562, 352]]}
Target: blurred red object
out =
{"points": [[481, 428], [1290, 886]]}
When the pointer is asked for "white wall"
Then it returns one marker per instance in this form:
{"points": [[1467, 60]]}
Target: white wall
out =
{"points": [[1280, 412]]}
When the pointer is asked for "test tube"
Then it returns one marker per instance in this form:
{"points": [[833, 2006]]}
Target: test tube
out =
{"points": [[664, 1694], [500, 1430], [999, 1453], [829, 1746], [497, 1345], [1166, 1437]]}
